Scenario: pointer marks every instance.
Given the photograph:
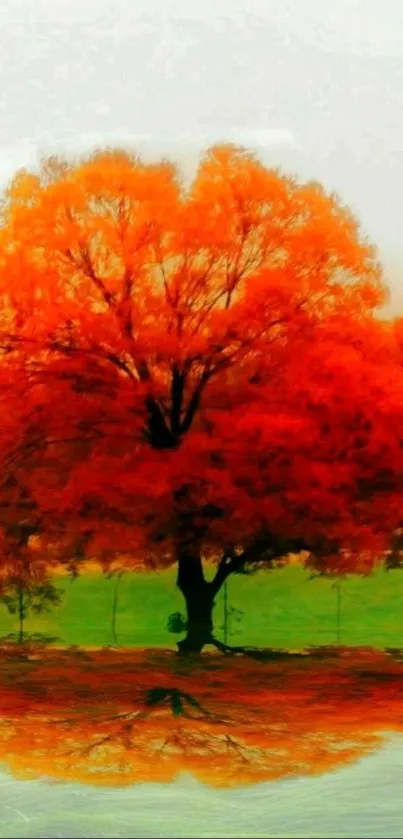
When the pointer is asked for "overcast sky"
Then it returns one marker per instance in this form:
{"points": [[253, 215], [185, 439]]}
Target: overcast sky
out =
{"points": [[315, 85]]}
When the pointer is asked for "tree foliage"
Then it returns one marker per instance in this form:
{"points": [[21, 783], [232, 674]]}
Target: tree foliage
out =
{"points": [[20, 598], [199, 364]]}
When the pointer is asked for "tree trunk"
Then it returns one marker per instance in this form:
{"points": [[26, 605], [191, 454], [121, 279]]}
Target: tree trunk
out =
{"points": [[199, 608], [199, 599]]}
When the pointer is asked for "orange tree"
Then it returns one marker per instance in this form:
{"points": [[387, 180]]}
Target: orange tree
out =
{"points": [[203, 368]]}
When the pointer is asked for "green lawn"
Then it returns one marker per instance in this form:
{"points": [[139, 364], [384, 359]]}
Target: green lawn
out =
{"points": [[281, 608]]}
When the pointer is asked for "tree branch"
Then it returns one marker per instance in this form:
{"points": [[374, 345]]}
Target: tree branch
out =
{"points": [[194, 402], [225, 568], [263, 550], [88, 269], [177, 389]]}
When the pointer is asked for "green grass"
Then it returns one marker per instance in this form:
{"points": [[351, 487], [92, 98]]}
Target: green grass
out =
{"points": [[281, 608]]}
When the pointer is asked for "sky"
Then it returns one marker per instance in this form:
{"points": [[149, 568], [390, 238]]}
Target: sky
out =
{"points": [[314, 86]]}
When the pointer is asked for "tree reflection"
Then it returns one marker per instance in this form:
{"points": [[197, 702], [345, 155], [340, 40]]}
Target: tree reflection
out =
{"points": [[118, 719]]}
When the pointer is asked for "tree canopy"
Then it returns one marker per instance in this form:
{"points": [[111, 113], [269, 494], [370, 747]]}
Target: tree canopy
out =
{"points": [[202, 366]]}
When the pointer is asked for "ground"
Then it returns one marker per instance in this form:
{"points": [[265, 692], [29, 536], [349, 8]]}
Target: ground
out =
{"points": [[281, 608]]}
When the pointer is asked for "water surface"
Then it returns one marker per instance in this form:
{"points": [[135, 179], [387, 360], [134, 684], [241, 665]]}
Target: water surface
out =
{"points": [[361, 800]]}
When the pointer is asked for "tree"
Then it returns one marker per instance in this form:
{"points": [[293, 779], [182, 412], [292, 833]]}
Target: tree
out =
{"points": [[209, 379], [22, 596], [25, 584]]}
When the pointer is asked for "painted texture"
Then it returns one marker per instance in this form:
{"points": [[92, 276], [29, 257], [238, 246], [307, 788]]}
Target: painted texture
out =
{"points": [[289, 746]]}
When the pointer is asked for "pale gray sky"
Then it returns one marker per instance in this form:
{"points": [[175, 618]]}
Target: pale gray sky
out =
{"points": [[315, 85]]}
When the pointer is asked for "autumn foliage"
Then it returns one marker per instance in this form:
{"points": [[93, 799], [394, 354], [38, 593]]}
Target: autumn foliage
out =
{"points": [[194, 372], [117, 719]]}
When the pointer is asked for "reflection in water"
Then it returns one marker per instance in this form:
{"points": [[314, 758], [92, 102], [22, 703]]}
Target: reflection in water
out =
{"points": [[117, 719]]}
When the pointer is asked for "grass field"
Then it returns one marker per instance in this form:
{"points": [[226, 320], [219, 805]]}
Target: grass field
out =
{"points": [[281, 608]]}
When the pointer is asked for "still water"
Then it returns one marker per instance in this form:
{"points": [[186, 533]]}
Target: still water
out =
{"points": [[363, 799], [145, 744]]}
